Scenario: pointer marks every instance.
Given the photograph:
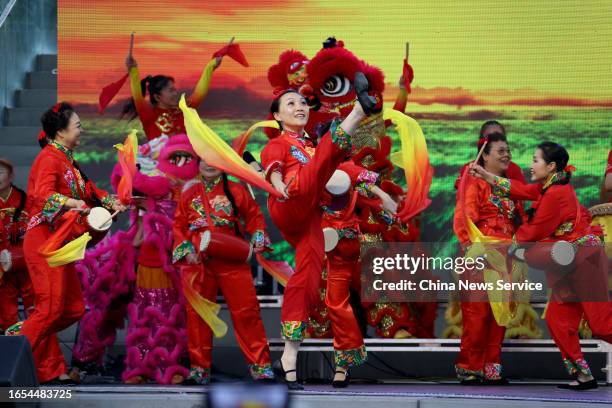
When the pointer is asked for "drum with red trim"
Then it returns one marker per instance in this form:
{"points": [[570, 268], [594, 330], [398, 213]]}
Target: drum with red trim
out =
{"points": [[548, 255], [97, 222], [12, 259], [224, 246], [339, 186]]}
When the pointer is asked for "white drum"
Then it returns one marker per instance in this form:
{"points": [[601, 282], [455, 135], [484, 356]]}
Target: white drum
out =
{"points": [[99, 219], [339, 183], [563, 253], [5, 260], [12, 259], [330, 236]]}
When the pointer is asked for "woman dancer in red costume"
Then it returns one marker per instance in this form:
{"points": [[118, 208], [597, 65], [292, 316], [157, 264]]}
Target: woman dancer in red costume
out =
{"points": [[13, 222], [556, 215], [344, 267], [162, 115], [300, 175], [56, 184], [498, 216], [217, 205]]}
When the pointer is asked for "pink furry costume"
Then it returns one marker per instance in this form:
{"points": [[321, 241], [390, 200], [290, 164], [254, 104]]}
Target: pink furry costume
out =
{"points": [[156, 339]]}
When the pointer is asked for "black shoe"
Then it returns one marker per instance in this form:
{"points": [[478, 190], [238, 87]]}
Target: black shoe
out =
{"points": [[471, 381], [367, 102], [280, 372], [581, 386], [501, 381], [341, 384], [189, 381]]}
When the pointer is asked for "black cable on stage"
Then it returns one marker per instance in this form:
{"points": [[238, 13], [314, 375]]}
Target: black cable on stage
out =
{"points": [[396, 370]]}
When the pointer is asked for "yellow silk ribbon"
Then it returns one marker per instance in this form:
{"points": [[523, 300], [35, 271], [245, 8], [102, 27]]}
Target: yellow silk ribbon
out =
{"points": [[217, 153], [71, 252], [206, 309]]}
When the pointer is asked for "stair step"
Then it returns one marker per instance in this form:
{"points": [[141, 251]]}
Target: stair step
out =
{"points": [[23, 116], [34, 98], [18, 136], [41, 80], [20, 155], [46, 62]]}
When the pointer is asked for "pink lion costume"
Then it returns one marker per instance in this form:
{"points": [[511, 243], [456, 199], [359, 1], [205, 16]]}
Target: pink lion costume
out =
{"points": [[132, 272]]}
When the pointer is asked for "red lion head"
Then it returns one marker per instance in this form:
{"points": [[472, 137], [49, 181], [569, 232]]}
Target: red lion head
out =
{"points": [[330, 77]]}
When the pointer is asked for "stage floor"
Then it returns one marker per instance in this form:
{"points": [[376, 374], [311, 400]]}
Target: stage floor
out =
{"points": [[405, 395]]}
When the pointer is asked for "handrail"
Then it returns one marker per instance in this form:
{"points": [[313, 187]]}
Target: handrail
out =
{"points": [[7, 11]]}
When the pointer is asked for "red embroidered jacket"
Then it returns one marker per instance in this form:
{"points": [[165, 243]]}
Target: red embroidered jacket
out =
{"points": [[204, 206], [514, 172], [489, 208], [53, 180], [288, 152], [558, 214]]}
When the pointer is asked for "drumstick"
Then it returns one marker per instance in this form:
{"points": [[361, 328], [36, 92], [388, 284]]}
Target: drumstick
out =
{"points": [[131, 44], [407, 50], [109, 218], [481, 151]]}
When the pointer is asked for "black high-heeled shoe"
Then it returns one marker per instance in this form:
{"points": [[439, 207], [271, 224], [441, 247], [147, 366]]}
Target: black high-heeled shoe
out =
{"points": [[581, 386], [280, 372], [367, 102], [343, 383]]}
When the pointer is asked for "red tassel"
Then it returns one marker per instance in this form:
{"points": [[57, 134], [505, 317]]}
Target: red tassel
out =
{"points": [[41, 135], [234, 52], [408, 74], [56, 107], [109, 92], [482, 141]]}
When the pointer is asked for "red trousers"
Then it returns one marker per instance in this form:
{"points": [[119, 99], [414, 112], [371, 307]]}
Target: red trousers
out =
{"points": [[481, 341], [343, 273], [14, 284], [299, 221], [236, 284], [58, 303], [563, 320]]}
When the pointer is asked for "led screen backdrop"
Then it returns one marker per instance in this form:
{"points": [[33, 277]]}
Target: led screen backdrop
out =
{"points": [[541, 68]]}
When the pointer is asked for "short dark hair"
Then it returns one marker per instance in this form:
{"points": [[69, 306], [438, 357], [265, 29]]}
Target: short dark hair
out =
{"points": [[54, 120], [490, 123], [153, 84], [554, 153]]}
